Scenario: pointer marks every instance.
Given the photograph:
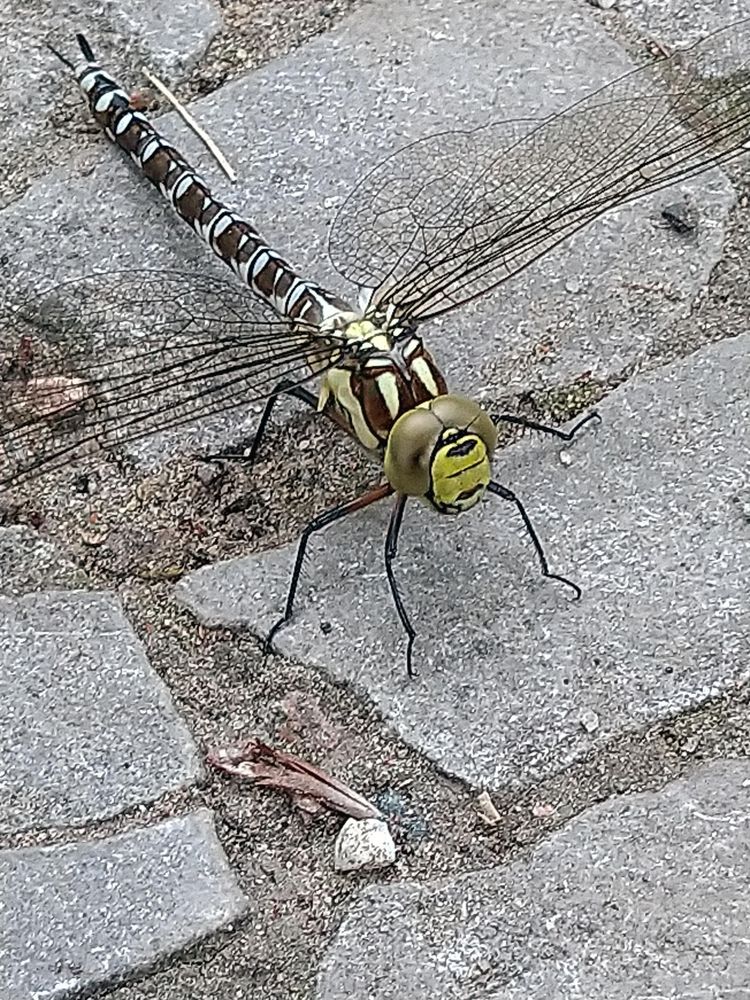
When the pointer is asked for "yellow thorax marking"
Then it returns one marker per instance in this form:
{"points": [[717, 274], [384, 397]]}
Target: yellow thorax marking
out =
{"points": [[337, 383], [365, 329], [424, 373]]}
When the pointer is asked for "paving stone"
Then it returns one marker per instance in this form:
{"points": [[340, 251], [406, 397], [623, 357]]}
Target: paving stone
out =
{"points": [[644, 897], [85, 914], [677, 24], [173, 34], [87, 728], [30, 562], [642, 513], [169, 38], [302, 130]]}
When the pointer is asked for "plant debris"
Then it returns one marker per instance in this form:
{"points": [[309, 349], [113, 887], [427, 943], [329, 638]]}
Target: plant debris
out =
{"points": [[311, 788]]}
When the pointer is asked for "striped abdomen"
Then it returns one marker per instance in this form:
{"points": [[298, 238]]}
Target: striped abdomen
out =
{"points": [[382, 373], [231, 238]]}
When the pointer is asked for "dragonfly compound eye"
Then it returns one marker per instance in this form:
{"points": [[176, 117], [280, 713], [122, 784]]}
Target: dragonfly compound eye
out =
{"points": [[441, 450]]}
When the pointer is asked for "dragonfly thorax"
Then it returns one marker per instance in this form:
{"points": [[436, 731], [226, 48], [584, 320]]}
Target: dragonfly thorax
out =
{"points": [[382, 373], [441, 451]]}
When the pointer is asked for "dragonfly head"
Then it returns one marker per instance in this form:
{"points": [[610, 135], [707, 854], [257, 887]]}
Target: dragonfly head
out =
{"points": [[441, 450]]}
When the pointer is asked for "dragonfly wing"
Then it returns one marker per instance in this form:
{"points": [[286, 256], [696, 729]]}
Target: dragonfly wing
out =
{"points": [[111, 358], [451, 216]]}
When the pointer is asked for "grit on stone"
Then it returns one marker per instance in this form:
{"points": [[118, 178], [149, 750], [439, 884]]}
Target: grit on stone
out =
{"points": [[29, 562], [677, 25], [641, 897], [87, 913], [87, 728]]}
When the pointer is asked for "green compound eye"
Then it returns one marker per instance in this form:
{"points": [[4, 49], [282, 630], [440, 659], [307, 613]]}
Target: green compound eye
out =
{"points": [[441, 450]]}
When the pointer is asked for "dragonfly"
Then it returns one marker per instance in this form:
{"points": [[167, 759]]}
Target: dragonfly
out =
{"points": [[438, 224]]}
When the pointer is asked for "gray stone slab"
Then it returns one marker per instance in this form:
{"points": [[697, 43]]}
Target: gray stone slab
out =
{"points": [[168, 37], [92, 913], [642, 515], [29, 562], [677, 24], [172, 34], [304, 129], [87, 728], [645, 897]]}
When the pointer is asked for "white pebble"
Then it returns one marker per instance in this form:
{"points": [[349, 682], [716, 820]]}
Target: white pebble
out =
{"points": [[364, 844], [589, 721], [487, 810]]}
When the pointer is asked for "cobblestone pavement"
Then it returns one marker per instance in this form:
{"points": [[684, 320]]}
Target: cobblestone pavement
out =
{"points": [[612, 735]]}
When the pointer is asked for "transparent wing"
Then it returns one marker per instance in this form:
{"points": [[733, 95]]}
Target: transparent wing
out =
{"points": [[110, 358], [451, 216]]}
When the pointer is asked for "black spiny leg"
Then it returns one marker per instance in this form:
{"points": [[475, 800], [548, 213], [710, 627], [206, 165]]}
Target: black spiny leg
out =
{"points": [[298, 391], [321, 521], [510, 418], [506, 494], [290, 389], [391, 549]]}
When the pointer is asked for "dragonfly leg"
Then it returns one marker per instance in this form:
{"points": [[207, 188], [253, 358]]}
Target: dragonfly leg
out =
{"points": [[298, 391], [391, 549], [319, 522], [285, 386], [510, 418], [505, 494]]}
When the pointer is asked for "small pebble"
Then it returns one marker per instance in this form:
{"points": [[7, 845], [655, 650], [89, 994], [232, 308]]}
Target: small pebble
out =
{"points": [[680, 217], [398, 809], [487, 810], [94, 536], [690, 745], [208, 473], [604, 4], [543, 810], [589, 721], [363, 845]]}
